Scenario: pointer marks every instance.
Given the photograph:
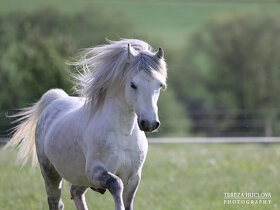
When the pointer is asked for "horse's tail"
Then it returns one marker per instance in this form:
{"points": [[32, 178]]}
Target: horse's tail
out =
{"points": [[24, 133]]}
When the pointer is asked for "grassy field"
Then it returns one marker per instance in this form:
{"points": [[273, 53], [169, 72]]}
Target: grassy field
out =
{"points": [[168, 21], [175, 176]]}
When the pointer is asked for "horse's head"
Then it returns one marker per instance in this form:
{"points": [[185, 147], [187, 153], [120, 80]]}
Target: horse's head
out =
{"points": [[142, 89], [128, 65]]}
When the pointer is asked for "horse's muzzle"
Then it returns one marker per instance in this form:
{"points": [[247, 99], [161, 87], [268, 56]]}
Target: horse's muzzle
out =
{"points": [[147, 126]]}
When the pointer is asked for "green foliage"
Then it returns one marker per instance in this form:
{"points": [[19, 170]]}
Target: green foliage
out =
{"points": [[231, 73], [172, 116], [167, 20], [34, 47]]}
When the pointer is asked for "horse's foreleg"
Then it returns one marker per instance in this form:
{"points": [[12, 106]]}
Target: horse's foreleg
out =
{"points": [[78, 196], [130, 190], [101, 178]]}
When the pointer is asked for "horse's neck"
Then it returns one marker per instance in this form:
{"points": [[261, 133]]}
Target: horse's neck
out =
{"points": [[118, 113]]}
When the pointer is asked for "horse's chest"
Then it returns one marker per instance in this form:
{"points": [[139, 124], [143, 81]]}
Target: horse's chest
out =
{"points": [[130, 161], [129, 157], [133, 156]]}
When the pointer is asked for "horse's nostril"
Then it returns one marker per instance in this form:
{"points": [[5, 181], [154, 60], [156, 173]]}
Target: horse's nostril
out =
{"points": [[148, 126], [142, 123], [157, 125]]}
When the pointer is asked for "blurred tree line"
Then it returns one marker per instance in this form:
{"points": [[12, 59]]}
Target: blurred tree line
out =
{"points": [[225, 82], [34, 48], [229, 76]]}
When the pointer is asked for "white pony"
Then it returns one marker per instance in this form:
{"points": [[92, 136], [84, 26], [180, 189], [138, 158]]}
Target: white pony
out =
{"points": [[96, 140]]}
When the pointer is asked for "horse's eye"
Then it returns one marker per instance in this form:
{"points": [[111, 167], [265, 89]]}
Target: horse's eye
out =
{"points": [[132, 85], [161, 85]]}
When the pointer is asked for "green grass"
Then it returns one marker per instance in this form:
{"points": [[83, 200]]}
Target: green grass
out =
{"points": [[168, 21], [175, 176]]}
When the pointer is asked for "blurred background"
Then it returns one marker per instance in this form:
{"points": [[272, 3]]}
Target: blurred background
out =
{"points": [[223, 57], [223, 61]]}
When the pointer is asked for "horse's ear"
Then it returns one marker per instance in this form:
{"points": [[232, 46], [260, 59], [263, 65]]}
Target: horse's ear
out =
{"points": [[130, 52], [160, 53]]}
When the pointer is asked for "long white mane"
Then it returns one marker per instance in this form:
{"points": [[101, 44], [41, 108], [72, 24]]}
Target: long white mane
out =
{"points": [[107, 66]]}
